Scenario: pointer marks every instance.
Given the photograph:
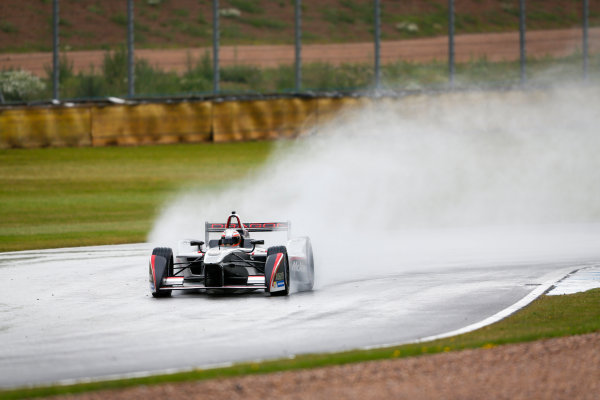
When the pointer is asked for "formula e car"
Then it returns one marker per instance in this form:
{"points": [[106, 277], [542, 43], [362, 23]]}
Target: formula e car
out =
{"points": [[234, 262]]}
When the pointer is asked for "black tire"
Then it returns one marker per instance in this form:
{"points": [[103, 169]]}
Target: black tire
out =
{"points": [[167, 253], [286, 272]]}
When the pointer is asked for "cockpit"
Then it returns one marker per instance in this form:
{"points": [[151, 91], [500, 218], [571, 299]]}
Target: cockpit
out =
{"points": [[233, 222]]}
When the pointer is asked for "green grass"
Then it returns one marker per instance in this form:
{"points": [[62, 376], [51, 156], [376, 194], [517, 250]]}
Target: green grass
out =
{"points": [[181, 12], [64, 23], [247, 6], [547, 317], [86, 196], [336, 16], [96, 9], [8, 27], [119, 19]]}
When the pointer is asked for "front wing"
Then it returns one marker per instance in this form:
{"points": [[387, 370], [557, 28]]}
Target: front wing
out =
{"points": [[179, 283]]}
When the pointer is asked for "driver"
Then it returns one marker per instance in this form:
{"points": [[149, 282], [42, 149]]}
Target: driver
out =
{"points": [[231, 238]]}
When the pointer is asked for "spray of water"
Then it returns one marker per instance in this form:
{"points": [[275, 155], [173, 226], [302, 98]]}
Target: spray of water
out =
{"points": [[427, 181]]}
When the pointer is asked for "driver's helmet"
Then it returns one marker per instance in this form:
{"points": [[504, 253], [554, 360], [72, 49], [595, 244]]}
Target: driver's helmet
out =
{"points": [[231, 238]]}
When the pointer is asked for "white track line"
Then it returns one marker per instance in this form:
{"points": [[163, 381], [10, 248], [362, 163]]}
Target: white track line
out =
{"points": [[537, 292], [541, 289]]}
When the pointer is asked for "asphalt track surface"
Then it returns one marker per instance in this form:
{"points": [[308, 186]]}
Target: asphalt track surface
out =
{"points": [[73, 314]]}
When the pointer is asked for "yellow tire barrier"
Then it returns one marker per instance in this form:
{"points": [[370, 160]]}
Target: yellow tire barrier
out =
{"points": [[198, 121], [333, 108], [44, 127], [151, 123], [262, 119]]}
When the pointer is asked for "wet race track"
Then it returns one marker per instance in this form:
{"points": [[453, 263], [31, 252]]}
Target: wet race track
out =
{"points": [[426, 217], [72, 314]]}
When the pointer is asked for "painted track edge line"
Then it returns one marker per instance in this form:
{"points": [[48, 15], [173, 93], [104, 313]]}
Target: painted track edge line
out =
{"points": [[528, 299], [537, 292]]}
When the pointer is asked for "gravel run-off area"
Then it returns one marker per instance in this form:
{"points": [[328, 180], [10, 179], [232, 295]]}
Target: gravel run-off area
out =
{"points": [[561, 368]]}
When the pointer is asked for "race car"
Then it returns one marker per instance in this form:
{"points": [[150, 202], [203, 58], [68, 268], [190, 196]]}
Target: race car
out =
{"points": [[234, 262]]}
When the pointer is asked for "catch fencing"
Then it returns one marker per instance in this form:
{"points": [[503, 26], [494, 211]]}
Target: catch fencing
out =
{"points": [[444, 49]]}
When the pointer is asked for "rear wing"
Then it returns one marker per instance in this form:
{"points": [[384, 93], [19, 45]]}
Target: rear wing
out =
{"points": [[250, 227]]}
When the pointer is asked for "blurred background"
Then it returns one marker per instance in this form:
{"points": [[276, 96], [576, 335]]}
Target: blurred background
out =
{"points": [[93, 49]]}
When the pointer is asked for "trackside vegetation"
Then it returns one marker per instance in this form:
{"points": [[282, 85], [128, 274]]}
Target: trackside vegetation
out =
{"points": [[111, 78], [546, 317], [62, 197]]}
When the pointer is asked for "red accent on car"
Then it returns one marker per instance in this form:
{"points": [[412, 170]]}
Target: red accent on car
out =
{"points": [[277, 262], [153, 273], [231, 224]]}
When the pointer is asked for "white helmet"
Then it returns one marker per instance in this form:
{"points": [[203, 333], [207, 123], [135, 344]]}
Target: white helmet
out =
{"points": [[230, 238]]}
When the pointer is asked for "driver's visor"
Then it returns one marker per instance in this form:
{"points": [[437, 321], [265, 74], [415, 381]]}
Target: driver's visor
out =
{"points": [[230, 241]]}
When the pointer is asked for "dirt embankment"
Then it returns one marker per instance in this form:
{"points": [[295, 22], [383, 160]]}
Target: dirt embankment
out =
{"points": [[26, 25], [563, 368], [492, 46]]}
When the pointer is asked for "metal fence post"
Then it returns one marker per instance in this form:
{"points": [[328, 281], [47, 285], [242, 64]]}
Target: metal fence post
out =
{"points": [[298, 54], [586, 16], [377, 44], [451, 43], [216, 77], [55, 61], [522, 41], [130, 58]]}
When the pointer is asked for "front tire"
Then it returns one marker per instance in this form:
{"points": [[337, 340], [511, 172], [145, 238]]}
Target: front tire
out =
{"points": [[272, 252], [167, 254]]}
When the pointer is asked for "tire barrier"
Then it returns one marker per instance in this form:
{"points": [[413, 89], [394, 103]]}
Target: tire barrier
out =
{"points": [[151, 123], [157, 123], [45, 127], [338, 107], [202, 120], [262, 119]]}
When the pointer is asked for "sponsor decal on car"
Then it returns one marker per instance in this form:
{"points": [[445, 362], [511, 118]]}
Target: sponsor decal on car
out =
{"points": [[280, 283], [298, 265], [253, 225], [274, 276]]}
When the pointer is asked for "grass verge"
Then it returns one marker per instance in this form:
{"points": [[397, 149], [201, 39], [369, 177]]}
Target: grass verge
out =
{"points": [[60, 197], [546, 317]]}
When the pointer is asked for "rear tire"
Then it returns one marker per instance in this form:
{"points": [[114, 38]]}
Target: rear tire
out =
{"points": [[167, 253], [310, 268], [286, 271]]}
